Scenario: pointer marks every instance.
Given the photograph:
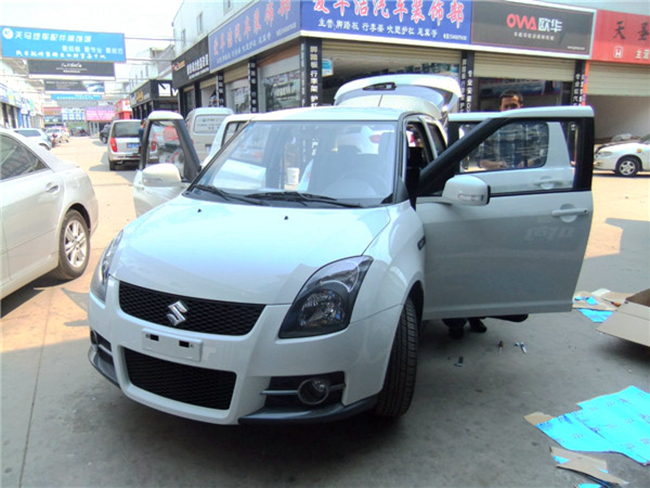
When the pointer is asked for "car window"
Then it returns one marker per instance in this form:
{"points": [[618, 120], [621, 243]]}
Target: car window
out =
{"points": [[343, 160], [28, 132], [165, 145], [524, 156], [16, 159], [127, 129]]}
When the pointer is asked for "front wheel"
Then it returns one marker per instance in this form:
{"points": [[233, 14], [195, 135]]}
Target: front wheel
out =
{"points": [[399, 384], [74, 247], [627, 167]]}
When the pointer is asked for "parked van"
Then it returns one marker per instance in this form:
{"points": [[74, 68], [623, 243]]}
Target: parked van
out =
{"points": [[227, 129], [202, 124]]}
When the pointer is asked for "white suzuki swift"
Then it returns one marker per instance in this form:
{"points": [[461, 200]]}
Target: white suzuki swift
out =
{"points": [[287, 281]]}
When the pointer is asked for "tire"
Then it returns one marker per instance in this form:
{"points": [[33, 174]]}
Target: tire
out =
{"points": [[627, 166], [74, 247], [399, 383]]}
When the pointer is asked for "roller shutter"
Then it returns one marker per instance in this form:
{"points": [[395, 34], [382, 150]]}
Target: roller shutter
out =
{"points": [[618, 79], [237, 73], [376, 55], [497, 65]]}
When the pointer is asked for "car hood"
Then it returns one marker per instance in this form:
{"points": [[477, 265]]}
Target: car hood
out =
{"points": [[622, 147], [239, 253]]}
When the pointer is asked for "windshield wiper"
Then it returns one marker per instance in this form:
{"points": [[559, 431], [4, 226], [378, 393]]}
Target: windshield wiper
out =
{"points": [[303, 198], [228, 196]]}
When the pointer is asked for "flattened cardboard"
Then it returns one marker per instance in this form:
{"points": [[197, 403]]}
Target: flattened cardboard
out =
{"points": [[631, 321], [591, 466]]}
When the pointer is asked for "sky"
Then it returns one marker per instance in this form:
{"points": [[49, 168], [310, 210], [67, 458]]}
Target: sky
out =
{"points": [[134, 18]]}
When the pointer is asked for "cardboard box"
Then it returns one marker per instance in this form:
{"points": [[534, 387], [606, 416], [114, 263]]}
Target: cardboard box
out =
{"points": [[631, 321]]}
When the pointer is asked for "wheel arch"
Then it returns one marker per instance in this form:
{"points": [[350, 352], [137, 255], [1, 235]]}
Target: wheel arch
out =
{"points": [[630, 156], [83, 211]]}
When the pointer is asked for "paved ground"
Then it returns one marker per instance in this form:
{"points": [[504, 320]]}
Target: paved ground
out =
{"points": [[63, 425]]}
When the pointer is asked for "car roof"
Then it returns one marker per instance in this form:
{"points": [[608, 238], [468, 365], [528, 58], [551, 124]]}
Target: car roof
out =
{"points": [[211, 111], [317, 114]]}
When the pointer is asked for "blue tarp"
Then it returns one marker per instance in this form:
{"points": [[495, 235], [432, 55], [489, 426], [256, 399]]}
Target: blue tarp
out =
{"points": [[619, 422]]}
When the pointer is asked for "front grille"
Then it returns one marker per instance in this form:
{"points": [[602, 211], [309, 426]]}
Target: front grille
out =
{"points": [[207, 316], [188, 384]]}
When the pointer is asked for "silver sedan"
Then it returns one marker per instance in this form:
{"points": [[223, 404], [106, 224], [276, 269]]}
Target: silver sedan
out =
{"points": [[48, 212]]}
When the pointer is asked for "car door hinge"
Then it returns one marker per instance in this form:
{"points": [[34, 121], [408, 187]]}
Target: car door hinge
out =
{"points": [[421, 243]]}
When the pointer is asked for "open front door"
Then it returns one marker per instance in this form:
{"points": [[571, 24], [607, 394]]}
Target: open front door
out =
{"points": [[168, 161], [514, 242]]}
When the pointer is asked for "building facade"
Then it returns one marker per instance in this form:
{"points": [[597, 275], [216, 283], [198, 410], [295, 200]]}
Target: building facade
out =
{"points": [[268, 55]]}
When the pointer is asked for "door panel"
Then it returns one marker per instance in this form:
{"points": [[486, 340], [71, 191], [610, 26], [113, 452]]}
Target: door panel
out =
{"points": [[167, 143], [522, 251]]}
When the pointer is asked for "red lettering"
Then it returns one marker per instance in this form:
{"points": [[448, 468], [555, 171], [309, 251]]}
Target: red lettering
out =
{"points": [[514, 20]]}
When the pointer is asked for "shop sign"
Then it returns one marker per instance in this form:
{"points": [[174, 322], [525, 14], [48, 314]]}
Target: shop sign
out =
{"points": [[579, 88], [435, 21], [221, 90], [191, 65], [73, 69], [622, 38], [56, 44], [104, 113], [74, 86], [311, 62], [72, 114], [532, 27], [75, 96], [263, 23], [123, 105], [328, 67], [252, 82], [466, 81]]}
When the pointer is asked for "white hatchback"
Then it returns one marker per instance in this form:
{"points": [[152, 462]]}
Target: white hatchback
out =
{"points": [[299, 265]]}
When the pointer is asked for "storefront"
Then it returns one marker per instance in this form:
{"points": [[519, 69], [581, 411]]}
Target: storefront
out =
{"points": [[619, 74], [123, 109], [487, 46], [191, 78], [153, 95]]}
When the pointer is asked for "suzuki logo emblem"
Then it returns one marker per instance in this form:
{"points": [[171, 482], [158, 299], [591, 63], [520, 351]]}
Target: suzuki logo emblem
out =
{"points": [[177, 310]]}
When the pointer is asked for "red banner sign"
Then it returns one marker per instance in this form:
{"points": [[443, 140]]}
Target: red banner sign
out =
{"points": [[622, 38]]}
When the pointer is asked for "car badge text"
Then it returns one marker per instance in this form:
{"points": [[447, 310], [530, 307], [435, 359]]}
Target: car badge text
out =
{"points": [[177, 310]]}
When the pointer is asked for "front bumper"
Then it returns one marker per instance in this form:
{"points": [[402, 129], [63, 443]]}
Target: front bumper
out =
{"points": [[226, 379]]}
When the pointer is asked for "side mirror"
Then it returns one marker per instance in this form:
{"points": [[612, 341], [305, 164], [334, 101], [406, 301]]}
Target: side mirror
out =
{"points": [[161, 175], [466, 190]]}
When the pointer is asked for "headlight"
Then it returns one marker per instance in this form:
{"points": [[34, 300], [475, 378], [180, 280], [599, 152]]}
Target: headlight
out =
{"points": [[604, 154], [324, 304], [100, 276]]}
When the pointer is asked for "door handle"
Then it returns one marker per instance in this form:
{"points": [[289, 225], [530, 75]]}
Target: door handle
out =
{"points": [[564, 212], [52, 188]]}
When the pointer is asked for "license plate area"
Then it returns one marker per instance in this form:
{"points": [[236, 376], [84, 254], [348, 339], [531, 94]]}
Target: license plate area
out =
{"points": [[132, 145], [173, 346]]}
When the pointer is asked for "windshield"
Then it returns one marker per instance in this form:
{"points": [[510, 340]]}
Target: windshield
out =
{"points": [[347, 163]]}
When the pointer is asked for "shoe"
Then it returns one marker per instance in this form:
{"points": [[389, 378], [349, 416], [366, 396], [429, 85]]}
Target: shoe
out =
{"points": [[456, 332], [477, 325]]}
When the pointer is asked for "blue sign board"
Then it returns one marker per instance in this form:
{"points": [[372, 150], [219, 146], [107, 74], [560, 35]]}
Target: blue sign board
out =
{"points": [[256, 27], [268, 21], [55, 44], [431, 21], [75, 96]]}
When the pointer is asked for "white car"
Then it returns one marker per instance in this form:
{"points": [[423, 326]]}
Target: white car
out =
{"points": [[297, 270], [624, 158], [48, 211]]}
